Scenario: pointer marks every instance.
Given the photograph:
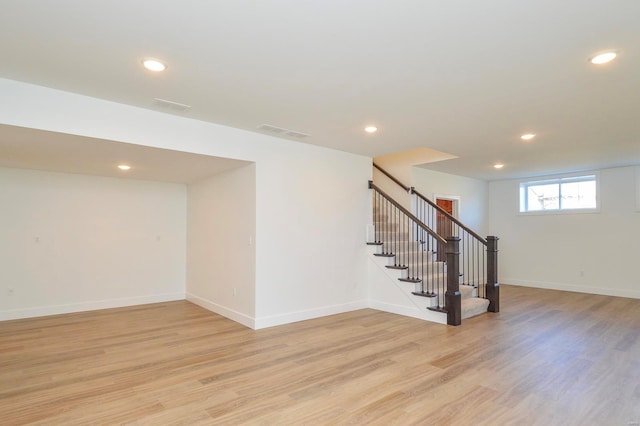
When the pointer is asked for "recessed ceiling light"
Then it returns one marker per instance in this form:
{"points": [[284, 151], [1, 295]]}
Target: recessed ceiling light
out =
{"points": [[498, 166], [124, 167], [528, 136], [371, 129], [154, 65], [603, 58]]}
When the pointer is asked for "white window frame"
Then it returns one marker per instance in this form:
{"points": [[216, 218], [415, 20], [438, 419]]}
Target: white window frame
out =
{"points": [[559, 179]]}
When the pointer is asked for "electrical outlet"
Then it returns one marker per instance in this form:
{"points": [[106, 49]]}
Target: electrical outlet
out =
{"points": [[235, 292], [10, 292]]}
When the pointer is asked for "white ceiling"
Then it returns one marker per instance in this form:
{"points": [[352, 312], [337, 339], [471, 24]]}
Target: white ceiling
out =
{"points": [[464, 77]]}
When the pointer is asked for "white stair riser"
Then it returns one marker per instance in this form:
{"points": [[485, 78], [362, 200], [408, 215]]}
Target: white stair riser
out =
{"points": [[394, 274]]}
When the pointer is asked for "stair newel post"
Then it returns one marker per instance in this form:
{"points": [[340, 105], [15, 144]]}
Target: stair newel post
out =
{"points": [[452, 297], [493, 287]]}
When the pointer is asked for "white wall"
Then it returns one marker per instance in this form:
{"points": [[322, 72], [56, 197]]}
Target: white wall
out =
{"points": [[473, 193], [392, 189], [73, 242], [312, 203], [221, 253], [585, 252], [313, 208], [399, 166]]}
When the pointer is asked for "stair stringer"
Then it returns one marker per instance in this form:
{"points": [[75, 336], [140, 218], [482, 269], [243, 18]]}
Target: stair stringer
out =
{"points": [[387, 293]]}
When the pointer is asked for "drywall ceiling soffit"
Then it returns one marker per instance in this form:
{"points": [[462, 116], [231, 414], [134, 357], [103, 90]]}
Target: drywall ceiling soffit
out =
{"points": [[24, 148], [413, 157], [464, 77]]}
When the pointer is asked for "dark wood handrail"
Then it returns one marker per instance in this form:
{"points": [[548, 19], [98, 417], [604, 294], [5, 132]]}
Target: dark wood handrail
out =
{"points": [[407, 213], [432, 204], [387, 174]]}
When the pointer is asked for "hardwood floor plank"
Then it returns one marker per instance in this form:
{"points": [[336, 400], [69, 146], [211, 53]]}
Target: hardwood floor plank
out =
{"points": [[549, 357]]}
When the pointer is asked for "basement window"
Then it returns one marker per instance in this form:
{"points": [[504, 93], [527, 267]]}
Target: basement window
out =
{"points": [[560, 194]]}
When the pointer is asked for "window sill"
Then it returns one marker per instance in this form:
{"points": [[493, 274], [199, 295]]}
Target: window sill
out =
{"points": [[560, 212]]}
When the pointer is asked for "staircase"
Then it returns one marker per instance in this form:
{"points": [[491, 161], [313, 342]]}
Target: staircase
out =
{"points": [[440, 279], [425, 260]]}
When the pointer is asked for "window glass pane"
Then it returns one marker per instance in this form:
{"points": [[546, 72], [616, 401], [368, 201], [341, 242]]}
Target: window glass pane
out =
{"points": [[543, 197], [579, 195], [569, 193]]}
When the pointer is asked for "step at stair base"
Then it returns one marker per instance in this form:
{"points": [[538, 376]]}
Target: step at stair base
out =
{"points": [[474, 306], [437, 309], [466, 291], [423, 294]]}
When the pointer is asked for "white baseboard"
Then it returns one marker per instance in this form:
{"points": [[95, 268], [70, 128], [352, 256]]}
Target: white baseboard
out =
{"points": [[271, 321], [42, 311], [236, 316], [438, 317], [634, 294]]}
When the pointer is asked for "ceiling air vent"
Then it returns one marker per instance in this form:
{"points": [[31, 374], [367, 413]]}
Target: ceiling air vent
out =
{"points": [[281, 131], [174, 106]]}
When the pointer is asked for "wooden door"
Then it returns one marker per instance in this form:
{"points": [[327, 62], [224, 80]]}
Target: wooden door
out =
{"points": [[444, 226]]}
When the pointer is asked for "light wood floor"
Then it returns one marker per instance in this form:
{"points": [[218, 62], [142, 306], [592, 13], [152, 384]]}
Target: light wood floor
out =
{"points": [[549, 358]]}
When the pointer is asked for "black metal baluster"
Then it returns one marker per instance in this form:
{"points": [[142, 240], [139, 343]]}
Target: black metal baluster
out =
{"points": [[394, 231], [484, 271], [395, 234], [479, 273], [415, 251], [377, 220], [469, 256], [390, 226], [387, 235], [405, 252], [385, 225], [410, 234], [477, 258]]}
